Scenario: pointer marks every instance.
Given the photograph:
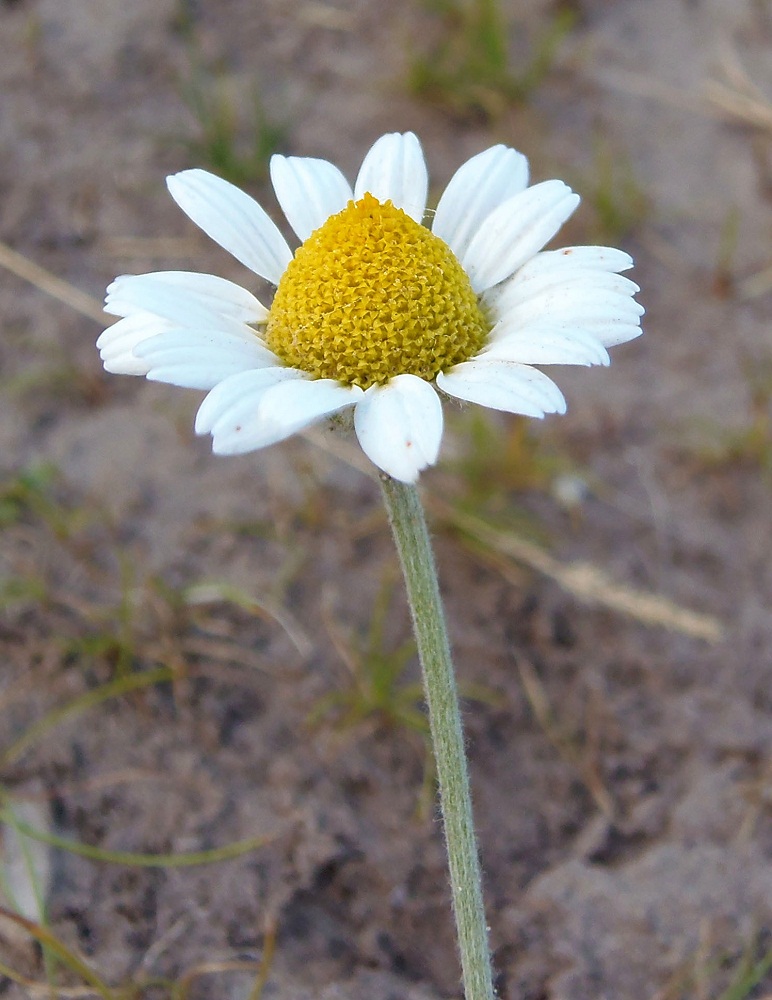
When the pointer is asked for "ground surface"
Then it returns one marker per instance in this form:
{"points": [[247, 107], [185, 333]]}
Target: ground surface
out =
{"points": [[621, 769]]}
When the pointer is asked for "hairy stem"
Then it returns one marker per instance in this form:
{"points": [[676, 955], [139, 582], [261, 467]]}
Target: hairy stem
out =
{"points": [[412, 538]]}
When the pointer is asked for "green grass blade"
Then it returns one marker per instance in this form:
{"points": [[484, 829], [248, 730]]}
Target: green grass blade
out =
{"points": [[182, 860], [113, 689]]}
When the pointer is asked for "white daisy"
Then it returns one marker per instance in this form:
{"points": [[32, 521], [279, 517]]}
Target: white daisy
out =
{"points": [[375, 311]]}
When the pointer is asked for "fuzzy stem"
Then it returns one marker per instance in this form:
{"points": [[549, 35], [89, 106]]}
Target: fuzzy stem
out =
{"points": [[415, 552]]}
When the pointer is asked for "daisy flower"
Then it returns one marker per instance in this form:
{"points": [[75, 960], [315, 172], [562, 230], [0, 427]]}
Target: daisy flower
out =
{"points": [[381, 309]]}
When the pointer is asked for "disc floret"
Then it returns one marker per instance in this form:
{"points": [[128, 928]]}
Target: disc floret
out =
{"points": [[372, 294]]}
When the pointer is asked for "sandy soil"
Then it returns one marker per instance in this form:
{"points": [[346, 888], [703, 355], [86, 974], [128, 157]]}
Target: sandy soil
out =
{"points": [[621, 769]]}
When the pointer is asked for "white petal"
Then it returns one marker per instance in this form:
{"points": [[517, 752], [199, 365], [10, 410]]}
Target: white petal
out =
{"points": [[477, 187], [197, 372], [516, 230], [540, 344], [223, 297], [309, 191], [614, 332], [597, 258], [234, 220], [568, 302], [145, 293], [520, 288], [282, 410], [395, 170], [199, 359], [185, 339], [504, 385], [240, 394], [116, 344], [124, 364], [569, 307], [128, 332], [399, 426], [219, 359], [569, 298]]}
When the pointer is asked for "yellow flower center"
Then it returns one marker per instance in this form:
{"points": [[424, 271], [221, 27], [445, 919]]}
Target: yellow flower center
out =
{"points": [[372, 294]]}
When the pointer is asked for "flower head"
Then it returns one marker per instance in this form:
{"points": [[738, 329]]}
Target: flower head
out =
{"points": [[375, 311]]}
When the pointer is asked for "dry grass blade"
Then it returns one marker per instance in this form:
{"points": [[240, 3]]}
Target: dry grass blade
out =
{"points": [[585, 581], [738, 106], [151, 247], [182, 987], [738, 99], [48, 940], [322, 15], [737, 96], [269, 950], [649, 87], [216, 593], [49, 283], [44, 990], [587, 769]]}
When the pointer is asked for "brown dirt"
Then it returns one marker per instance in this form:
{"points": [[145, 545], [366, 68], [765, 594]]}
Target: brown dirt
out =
{"points": [[655, 895]]}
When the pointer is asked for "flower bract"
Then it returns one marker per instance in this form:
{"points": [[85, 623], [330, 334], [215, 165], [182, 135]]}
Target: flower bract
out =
{"points": [[381, 309]]}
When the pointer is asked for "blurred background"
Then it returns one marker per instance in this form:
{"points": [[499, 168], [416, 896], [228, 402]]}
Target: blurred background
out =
{"points": [[214, 778]]}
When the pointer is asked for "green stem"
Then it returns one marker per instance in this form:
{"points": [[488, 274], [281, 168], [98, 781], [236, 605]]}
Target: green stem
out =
{"points": [[412, 538]]}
